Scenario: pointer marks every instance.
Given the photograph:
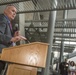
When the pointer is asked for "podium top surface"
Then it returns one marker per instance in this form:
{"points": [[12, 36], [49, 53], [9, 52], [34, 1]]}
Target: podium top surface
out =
{"points": [[32, 54], [33, 43]]}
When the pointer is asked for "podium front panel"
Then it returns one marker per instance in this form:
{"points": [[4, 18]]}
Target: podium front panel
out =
{"points": [[33, 54], [14, 69]]}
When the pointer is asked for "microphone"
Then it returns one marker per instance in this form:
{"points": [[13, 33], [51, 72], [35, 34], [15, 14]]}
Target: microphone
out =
{"points": [[16, 27], [28, 41]]}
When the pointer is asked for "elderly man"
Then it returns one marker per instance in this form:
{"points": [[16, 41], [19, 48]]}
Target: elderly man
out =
{"points": [[7, 36]]}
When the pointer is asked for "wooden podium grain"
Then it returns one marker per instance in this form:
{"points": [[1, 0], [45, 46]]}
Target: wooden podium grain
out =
{"points": [[25, 59]]}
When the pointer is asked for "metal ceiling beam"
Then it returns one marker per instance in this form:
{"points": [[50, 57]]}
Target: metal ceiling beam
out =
{"points": [[59, 20], [65, 32], [46, 27], [65, 50], [70, 51], [65, 46], [27, 21], [46, 10], [67, 27], [65, 37], [61, 6], [11, 2], [72, 55], [66, 40]]}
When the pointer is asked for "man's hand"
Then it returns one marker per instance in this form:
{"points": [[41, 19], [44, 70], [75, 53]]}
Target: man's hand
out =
{"points": [[18, 38], [17, 33]]}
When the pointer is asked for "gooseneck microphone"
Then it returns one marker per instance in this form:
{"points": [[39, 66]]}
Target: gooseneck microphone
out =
{"points": [[28, 41]]}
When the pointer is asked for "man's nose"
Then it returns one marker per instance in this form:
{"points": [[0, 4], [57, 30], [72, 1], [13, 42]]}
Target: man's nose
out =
{"points": [[14, 14]]}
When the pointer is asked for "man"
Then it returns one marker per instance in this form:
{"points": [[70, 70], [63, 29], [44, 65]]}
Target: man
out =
{"points": [[7, 37], [63, 67]]}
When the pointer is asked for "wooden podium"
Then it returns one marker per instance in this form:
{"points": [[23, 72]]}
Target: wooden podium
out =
{"points": [[25, 59]]}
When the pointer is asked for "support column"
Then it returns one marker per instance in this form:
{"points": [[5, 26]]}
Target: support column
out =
{"points": [[61, 52], [21, 22], [51, 26], [62, 42]]}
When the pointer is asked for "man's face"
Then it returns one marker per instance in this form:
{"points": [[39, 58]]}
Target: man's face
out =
{"points": [[11, 12]]}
